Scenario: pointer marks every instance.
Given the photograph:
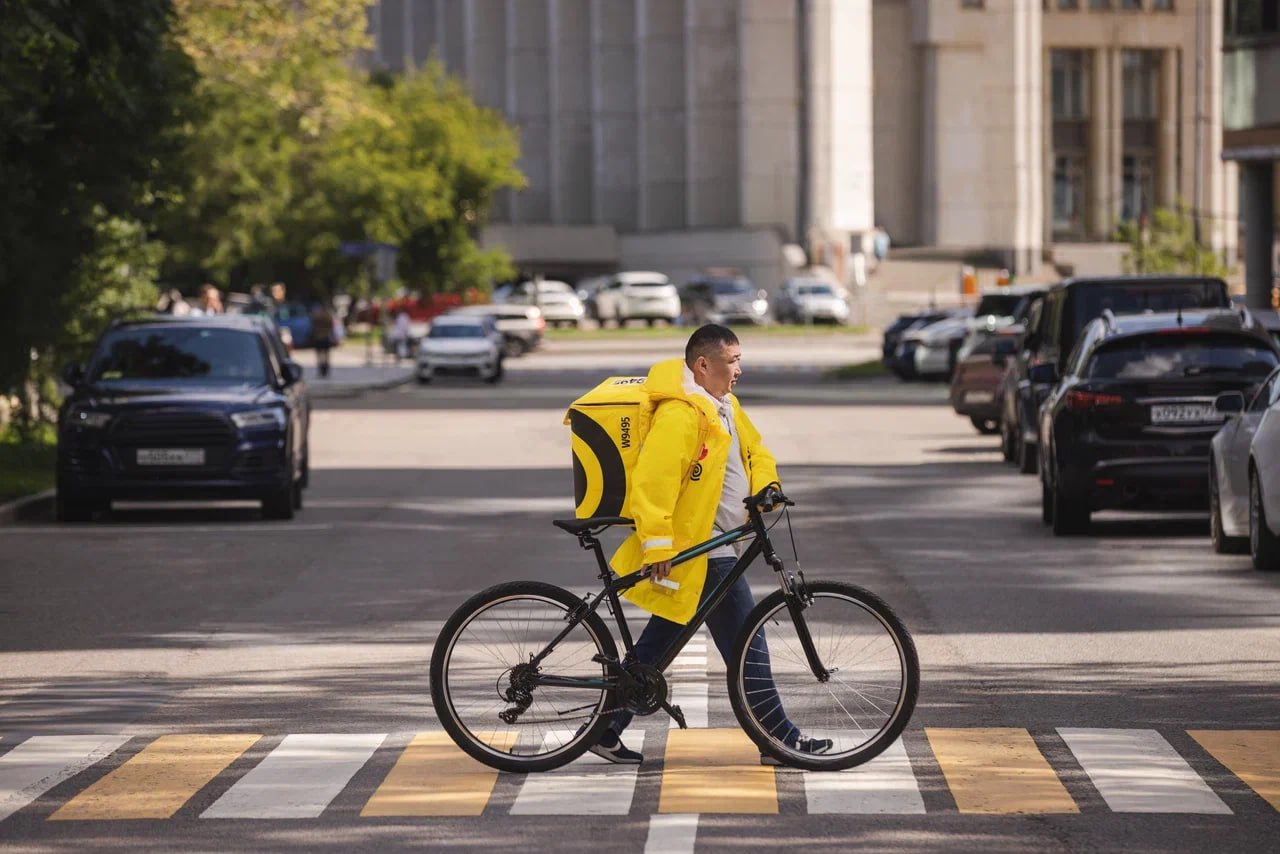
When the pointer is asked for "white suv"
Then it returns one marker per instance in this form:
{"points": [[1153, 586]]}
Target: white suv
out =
{"points": [[640, 296], [461, 345]]}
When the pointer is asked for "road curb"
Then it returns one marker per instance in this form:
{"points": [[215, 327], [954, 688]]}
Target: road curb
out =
{"points": [[10, 512]]}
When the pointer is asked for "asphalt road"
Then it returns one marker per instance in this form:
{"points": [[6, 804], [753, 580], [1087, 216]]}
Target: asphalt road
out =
{"points": [[1063, 679]]}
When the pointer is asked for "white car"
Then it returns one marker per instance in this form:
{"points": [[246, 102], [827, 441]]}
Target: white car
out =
{"points": [[810, 300], [1244, 475], [560, 304], [637, 296], [460, 344]]}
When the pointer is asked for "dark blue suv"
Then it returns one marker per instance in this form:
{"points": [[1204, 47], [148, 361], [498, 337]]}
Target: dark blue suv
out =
{"points": [[184, 408]]}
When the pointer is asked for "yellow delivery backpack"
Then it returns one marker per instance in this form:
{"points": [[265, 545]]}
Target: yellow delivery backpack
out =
{"points": [[608, 424]]}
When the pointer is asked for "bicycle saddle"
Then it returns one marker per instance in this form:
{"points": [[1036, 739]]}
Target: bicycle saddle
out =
{"points": [[581, 526]]}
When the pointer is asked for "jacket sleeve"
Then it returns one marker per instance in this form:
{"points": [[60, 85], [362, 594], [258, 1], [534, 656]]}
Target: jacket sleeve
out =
{"points": [[762, 469], [661, 466]]}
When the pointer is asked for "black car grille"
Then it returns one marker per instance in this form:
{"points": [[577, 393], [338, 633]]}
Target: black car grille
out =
{"points": [[172, 430]]}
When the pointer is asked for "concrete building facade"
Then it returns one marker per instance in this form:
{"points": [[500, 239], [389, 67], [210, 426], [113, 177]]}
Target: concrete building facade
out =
{"points": [[1030, 125], [663, 134], [1251, 132]]}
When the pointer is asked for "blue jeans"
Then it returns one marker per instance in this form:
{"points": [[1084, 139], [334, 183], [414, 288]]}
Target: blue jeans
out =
{"points": [[724, 622]]}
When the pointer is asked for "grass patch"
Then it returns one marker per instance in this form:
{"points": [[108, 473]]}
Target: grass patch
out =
{"points": [[774, 331], [26, 467], [859, 371]]}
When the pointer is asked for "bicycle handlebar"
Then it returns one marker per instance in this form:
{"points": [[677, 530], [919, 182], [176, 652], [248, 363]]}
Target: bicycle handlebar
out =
{"points": [[768, 498]]}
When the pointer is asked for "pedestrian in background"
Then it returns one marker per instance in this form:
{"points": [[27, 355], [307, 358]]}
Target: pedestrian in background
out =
{"points": [[210, 301], [400, 335], [322, 336]]}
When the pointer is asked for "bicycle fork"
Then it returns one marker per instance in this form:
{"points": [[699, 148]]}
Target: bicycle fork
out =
{"points": [[797, 597]]}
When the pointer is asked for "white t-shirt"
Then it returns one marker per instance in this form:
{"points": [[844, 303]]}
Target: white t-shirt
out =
{"points": [[731, 513]]}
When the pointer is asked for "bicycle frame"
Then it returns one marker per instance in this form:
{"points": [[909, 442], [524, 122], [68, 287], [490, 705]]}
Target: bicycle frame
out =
{"points": [[760, 544]]}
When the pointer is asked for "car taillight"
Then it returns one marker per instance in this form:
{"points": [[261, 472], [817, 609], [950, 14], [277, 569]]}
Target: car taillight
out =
{"points": [[1080, 401], [541, 323]]}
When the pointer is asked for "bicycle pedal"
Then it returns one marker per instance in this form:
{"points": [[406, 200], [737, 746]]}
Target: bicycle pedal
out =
{"points": [[676, 714]]}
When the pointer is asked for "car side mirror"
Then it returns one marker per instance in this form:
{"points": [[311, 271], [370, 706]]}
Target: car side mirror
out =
{"points": [[73, 374], [1045, 373], [1229, 403], [292, 372]]}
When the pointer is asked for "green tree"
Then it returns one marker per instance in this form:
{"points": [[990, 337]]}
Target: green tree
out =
{"points": [[1168, 245], [91, 97]]}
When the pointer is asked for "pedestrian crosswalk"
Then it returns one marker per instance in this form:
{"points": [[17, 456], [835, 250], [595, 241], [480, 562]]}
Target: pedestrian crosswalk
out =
{"points": [[989, 770]]}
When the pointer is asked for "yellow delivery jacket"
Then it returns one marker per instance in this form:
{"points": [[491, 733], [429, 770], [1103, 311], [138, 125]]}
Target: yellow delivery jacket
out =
{"points": [[676, 486]]}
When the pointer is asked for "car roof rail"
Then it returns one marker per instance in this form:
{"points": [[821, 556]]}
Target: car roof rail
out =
{"points": [[1109, 318], [1246, 317]]}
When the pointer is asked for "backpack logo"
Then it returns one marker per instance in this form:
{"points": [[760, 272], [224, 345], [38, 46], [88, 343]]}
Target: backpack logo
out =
{"points": [[696, 474]]}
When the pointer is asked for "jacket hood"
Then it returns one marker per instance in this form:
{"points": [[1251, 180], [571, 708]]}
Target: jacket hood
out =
{"points": [[670, 380]]}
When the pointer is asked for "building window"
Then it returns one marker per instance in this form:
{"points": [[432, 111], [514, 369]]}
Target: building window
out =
{"points": [[1140, 83], [1068, 195], [1069, 102], [1161, 5], [1100, 5], [1250, 18], [971, 4], [1069, 5], [1131, 4]]}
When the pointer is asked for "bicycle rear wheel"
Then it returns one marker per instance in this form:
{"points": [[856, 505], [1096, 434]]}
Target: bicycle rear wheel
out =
{"points": [[862, 707], [483, 652]]}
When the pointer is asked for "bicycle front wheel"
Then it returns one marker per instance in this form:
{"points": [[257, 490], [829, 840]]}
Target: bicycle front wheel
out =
{"points": [[485, 690], [864, 703]]}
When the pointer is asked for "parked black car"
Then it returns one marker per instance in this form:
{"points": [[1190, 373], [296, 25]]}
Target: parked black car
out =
{"points": [[1055, 323], [184, 408], [1128, 424]]}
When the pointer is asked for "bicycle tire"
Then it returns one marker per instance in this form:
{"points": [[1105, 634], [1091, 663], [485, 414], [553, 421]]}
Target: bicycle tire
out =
{"points": [[443, 688], [773, 609]]}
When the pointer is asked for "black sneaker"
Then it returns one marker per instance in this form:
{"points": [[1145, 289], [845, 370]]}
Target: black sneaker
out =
{"points": [[802, 745], [610, 747]]}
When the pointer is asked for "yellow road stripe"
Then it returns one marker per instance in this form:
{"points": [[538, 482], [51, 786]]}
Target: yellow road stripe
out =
{"points": [[715, 771], [998, 770], [1252, 755], [434, 777], [159, 780]]}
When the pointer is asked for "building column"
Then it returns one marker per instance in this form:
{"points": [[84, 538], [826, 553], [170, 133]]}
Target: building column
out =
{"points": [[1167, 150], [1098, 219], [1257, 202]]}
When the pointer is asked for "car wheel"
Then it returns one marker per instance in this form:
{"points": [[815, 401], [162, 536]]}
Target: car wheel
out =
{"points": [[1007, 444], [305, 480], [1222, 544], [71, 506], [297, 496], [513, 348], [985, 426], [1027, 461], [495, 377], [1070, 513], [1264, 546], [424, 379], [1046, 504], [279, 504]]}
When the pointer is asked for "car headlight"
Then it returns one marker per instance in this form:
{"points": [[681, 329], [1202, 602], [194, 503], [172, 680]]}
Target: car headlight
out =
{"points": [[760, 306], [256, 419], [86, 418]]}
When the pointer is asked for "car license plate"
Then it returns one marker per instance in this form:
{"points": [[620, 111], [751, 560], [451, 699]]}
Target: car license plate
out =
{"points": [[1184, 413], [171, 456], [979, 396]]}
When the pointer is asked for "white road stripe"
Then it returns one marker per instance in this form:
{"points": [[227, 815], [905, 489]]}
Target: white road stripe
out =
{"points": [[299, 778], [43, 761], [687, 682], [693, 699], [1136, 770], [590, 785], [885, 786], [673, 833]]}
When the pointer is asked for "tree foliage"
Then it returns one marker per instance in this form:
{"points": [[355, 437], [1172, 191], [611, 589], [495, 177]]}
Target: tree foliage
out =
{"points": [[91, 98], [298, 151], [1168, 245]]}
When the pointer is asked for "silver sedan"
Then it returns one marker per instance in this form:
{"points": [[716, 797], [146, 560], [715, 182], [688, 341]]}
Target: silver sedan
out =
{"points": [[1244, 476]]}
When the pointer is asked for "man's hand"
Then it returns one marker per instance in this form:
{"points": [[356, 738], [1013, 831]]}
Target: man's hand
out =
{"points": [[658, 571]]}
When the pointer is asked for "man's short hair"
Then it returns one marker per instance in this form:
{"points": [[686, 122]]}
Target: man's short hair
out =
{"points": [[706, 340]]}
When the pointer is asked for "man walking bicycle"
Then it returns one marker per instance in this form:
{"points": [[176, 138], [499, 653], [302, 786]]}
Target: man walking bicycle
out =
{"points": [[701, 458]]}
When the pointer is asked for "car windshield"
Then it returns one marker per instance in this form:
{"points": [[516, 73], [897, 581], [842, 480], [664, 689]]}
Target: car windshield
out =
{"points": [[999, 304], [820, 289], [173, 353], [647, 284], [1181, 355], [456, 330], [723, 288]]}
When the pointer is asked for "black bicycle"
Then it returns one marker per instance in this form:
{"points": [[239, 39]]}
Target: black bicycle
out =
{"points": [[525, 676]]}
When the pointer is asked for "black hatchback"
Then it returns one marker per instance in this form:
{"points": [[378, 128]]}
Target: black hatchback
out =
{"points": [[1128, 425], [184, 408]]}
